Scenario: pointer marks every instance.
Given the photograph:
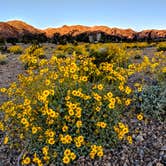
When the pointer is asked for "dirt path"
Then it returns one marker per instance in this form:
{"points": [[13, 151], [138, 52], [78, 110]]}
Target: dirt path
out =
{"points": [[9, 72]]}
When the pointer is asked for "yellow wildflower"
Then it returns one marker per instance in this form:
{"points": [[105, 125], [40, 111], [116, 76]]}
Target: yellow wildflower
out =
{"points": [[67, 152], [66, 160], [26, 161], [51, 141], [140, 116], [6, 139]]}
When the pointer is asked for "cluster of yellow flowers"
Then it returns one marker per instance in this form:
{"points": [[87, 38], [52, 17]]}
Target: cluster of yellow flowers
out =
{"points": [[153, 65], [96, 150], [68, 155], [1, 126], [27, 160], [79, 141], [137, 45], [64, 104], [15, 49], [121, 129], [32, 56]]}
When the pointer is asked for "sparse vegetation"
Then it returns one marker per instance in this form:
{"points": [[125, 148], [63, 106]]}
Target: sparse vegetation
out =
{"points": [[161, 46], [137, 45], [3, 59], [32, 56], [15, 49], [152, 101]]}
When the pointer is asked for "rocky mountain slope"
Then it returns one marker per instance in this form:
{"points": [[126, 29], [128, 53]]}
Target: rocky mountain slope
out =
{"points": [[19, 29], [6, 31], [23, 28]]}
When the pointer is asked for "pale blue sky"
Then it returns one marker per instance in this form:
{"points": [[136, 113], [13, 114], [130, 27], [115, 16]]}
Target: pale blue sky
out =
{"points": [[135, 14]]}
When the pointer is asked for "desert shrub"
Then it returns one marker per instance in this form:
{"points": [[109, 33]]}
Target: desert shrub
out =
{"points": [[153, 66], [66, 107], [137, 45], [101, 52], [64, 47], [109, 53], [70, 48], [161, 46], [158, 64], [161, 76], [135, 53], [60, 115], [32, 56], [3, 46], [152, 101], [81, 49], [3, 59], [15, 49], [60, 54], [62, 51]]}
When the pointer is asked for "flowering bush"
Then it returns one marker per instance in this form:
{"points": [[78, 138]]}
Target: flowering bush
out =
{"points": [[111, 53], [138, 45], [161, 46], [64, 108], [15, 49], [32, 56]]}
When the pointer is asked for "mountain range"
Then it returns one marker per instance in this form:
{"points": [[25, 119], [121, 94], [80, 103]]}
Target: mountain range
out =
{"points": [[17, 29]]}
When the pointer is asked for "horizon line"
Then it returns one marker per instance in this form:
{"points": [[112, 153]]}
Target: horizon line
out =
{"points": [[92, 25]]}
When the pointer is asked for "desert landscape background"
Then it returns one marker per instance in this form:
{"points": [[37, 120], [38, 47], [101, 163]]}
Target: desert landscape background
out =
{"points": [[20, 31]]}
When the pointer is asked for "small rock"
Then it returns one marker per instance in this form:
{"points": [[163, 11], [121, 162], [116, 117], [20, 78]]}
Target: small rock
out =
{"points": [[52, 164], [159, 164], [136, 163], [124, 164], [150, 164], [134, 121], [163, 148], [139, 138], [163, 159], [108, 164], [161, 154], [141, 153]]}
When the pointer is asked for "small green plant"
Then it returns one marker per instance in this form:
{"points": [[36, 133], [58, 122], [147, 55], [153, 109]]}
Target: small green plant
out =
{"points": [[152, 101], [138, 45], [15, 49], [161, 46], [3, 59]]}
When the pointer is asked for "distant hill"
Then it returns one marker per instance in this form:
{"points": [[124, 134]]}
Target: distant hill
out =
{"points": [[23, 28], [7, 31], [21, 31]]}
